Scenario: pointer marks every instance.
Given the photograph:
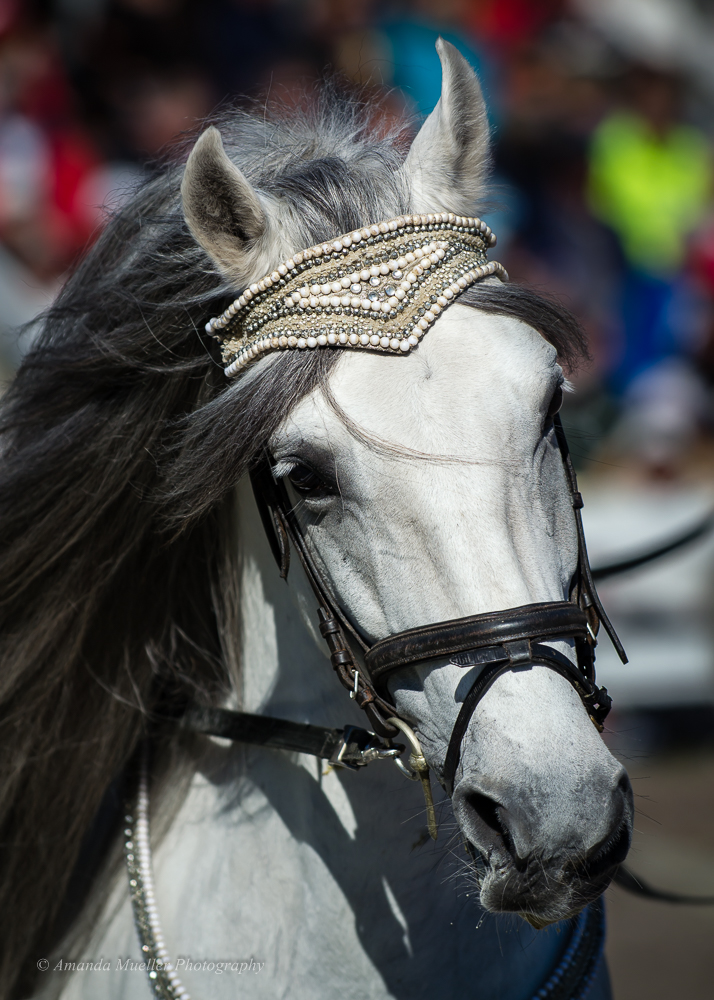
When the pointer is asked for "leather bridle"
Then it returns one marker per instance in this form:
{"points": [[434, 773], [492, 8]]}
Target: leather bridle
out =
{"points": [[491, 643]]}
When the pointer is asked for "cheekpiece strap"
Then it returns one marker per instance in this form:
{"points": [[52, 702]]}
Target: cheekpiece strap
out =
{"points": [[378, 288]]}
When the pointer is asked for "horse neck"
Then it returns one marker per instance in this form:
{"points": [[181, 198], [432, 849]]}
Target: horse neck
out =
{"points": [[285, 670]]}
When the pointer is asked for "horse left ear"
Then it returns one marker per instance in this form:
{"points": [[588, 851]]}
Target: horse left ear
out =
{"points": [[223, 211], [448, 160]]}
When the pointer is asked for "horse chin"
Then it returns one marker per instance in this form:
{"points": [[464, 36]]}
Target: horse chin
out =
{"points": [[540, 893]]}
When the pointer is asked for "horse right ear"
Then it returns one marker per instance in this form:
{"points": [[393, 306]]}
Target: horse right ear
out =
{"points": [[223, 210], [446, 167]]}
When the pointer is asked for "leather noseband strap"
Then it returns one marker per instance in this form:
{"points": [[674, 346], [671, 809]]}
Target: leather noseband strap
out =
{"points": [[494, 643]]}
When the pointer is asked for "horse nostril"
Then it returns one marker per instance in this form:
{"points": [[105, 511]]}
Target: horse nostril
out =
{"points": [[605, 857], [488, 812]]}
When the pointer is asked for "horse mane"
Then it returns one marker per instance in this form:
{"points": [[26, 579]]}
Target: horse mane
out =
{"points": [[121, 445]]}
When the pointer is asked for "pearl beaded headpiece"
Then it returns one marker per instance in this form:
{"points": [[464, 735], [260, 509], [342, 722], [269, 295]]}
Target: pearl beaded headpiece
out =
{"points": [[378, 288]]}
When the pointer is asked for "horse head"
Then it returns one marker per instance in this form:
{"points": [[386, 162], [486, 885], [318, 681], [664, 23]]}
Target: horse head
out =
{"points": [[429, 487]]}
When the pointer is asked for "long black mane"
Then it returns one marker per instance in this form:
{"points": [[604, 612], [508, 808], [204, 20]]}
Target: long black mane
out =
{"points": [[122, 443]]}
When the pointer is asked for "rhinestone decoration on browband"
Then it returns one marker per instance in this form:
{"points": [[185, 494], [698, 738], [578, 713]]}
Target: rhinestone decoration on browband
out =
{"points": [[379, 288]]}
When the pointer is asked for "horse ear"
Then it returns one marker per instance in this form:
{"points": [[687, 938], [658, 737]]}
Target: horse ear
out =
{"points": [[448, 160], [223, 210]]}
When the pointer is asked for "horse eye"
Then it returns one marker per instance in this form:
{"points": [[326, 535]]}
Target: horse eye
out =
{"points": [[555, 403], [308, 483]]}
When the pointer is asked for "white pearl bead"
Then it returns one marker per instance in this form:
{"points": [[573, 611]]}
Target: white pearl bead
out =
{"points": [[364, 275], [298, 258], [383, 227], [423, 324], [254, 289], [275, 277], [365, 304], [314, 301], [409, 257], [354, 339], [302, 343], [292, 341], [344, 283], [374, 270], [393, 301], [384, 342], [356, 237], [364, 339], [355, 302], [404, 345], [365, 233], [462, 282], [442, 301], [385, 307], [284, 268], [342, 338], [283, 341], [332, 339], [400, 294], [392, 226], [374, 230], [374, 340], [384, 269], [346, 241], [322, 340], [418, 253], [448, 294], [402, 262], [209, 327], [336, 286], [312, 341], [394, 344], [324, 301], [376, 306], [413, 340], [429, 316], [345, 300], [334, 301], [314, 289]]}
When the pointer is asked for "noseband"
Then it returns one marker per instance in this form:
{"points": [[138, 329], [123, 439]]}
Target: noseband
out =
{"points": [[489, 644]]}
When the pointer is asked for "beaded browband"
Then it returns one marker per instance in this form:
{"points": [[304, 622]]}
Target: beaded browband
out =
{"points": [[379, 288]]}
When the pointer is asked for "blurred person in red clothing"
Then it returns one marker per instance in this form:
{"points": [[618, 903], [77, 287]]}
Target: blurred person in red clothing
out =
{"points": [[45, 155]]}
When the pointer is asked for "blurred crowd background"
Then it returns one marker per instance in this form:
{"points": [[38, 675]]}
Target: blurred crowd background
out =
{"points": [[602, 193], [602, 114]]}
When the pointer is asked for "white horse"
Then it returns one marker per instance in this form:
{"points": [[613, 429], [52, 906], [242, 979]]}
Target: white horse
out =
{"points": [[429, 487]]}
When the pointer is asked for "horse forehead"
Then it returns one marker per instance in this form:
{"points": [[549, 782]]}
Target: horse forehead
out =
{"points": [[471, 371]]}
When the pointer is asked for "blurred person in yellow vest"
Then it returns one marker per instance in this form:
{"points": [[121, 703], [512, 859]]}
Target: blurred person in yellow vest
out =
{"points": [[650, 180]]}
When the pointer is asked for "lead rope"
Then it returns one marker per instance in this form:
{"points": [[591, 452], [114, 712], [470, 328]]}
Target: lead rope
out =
{"points": [[163, 980], [419, 772]]}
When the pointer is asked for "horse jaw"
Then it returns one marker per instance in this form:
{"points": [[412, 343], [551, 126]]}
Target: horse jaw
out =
{"points": [[453, 502]]}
